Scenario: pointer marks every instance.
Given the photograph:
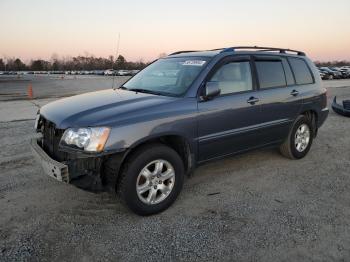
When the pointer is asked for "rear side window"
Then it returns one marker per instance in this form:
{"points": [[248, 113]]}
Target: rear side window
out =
{"points": [[301, 71], [270, 74]]}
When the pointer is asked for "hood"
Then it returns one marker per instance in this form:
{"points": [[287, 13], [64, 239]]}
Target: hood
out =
{"points": [[100, 108]]}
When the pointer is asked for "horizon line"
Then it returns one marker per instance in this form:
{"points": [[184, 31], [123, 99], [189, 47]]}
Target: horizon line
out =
{"points": [[141, 59]]}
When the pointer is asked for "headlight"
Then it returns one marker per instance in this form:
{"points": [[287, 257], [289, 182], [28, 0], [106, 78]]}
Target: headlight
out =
{"points": [[91, 139]]}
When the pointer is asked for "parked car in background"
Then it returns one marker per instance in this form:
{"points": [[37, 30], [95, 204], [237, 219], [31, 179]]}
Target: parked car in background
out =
{"points": [[322, 75], [337, 70], [333, 74], [109, 72], [134, 72], [325, 75], [22, 72], [124, 73], [99, 72], [345, 71]]}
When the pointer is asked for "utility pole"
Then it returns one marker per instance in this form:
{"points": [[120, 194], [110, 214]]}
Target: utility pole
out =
{"points": [[117, 53]]}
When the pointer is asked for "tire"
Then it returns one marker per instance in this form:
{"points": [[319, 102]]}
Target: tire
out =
{"points": [[129, 183], [289, 147]]}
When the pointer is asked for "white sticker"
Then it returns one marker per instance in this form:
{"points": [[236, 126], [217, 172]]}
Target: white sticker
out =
{"points": [[194, 62]]}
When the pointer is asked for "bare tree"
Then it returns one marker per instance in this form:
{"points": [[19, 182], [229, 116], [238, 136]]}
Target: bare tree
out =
{"points": [[2, 65]]}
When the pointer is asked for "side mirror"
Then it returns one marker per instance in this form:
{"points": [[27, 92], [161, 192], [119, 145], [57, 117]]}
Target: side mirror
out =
{"points": [[211, 90]]}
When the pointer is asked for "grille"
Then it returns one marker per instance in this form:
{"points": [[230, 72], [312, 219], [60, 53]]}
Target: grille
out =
{"points": [[51, 139]]}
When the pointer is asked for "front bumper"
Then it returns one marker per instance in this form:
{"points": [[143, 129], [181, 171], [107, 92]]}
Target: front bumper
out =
{"points": [[51, 167], [343, 110], [83, 173]]}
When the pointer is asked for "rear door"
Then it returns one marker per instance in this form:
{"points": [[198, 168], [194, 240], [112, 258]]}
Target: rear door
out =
{"points": [[228, 123], [279, 94]]}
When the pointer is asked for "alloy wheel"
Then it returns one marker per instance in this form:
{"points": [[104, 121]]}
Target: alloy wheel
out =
{"points": [[155, 182], [302, 137]]}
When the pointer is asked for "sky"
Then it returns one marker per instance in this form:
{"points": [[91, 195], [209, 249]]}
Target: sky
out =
{"points": [[33, 29]]}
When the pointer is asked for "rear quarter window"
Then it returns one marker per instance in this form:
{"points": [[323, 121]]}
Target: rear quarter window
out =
{"points": [[288, 71], [270, 74], [301, 71]]}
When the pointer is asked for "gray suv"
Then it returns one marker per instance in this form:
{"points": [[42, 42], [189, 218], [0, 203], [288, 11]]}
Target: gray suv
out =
{"points": [[142, 138]]}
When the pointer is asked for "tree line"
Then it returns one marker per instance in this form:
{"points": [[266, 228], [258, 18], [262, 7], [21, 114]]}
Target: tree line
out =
{"points": [[95, 63], [333, 63], [71, 64]]}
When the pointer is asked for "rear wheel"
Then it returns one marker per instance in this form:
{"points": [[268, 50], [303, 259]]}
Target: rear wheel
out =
{"points": [[299, 140], [151, 179]]}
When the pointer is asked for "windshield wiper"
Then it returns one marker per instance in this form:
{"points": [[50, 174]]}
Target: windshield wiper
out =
{"points": [[147, 91]]}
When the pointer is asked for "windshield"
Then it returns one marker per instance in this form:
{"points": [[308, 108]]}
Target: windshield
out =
{"points": [[168, 76]]}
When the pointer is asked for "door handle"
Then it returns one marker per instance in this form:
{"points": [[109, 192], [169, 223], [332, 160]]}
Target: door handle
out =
{"points": [[294, 93], [252, 100]]}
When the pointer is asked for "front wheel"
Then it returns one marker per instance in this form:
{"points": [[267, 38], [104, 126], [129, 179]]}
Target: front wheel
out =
{"points": [[299, 140], [151, 179]]}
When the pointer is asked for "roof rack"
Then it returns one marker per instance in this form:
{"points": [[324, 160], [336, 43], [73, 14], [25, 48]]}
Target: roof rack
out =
{"points": [[180, 52], [260, 48]]}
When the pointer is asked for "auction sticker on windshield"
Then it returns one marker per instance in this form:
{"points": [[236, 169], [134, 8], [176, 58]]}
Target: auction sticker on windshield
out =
{"points": [[194, 62]]}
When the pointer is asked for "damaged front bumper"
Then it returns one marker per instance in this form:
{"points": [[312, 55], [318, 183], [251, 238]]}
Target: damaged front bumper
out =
{"points": [[82, 172], [344, 109], [51, 167]]}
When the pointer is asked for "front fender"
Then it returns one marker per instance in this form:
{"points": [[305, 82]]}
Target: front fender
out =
{"points": [[131, 135]]}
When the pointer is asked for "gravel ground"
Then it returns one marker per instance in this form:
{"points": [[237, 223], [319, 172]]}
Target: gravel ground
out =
{"points": [[254, 207]]}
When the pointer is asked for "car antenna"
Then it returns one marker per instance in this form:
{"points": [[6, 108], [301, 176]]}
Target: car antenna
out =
{"points": [[117, 53]]}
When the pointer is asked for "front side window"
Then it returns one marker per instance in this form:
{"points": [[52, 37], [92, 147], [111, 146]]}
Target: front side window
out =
{"points": [[270, 74], [233, 77], [168, 76]]}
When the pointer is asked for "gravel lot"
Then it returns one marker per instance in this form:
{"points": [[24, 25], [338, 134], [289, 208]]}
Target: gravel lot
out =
{"points": [[266, 207]]}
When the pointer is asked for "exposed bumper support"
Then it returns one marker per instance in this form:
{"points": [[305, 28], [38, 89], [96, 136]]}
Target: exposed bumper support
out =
{"points": [[50, 166], [83, 173]]}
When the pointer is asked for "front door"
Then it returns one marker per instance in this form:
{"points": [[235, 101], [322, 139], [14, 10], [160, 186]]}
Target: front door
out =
{"points": [[229, 122]]}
